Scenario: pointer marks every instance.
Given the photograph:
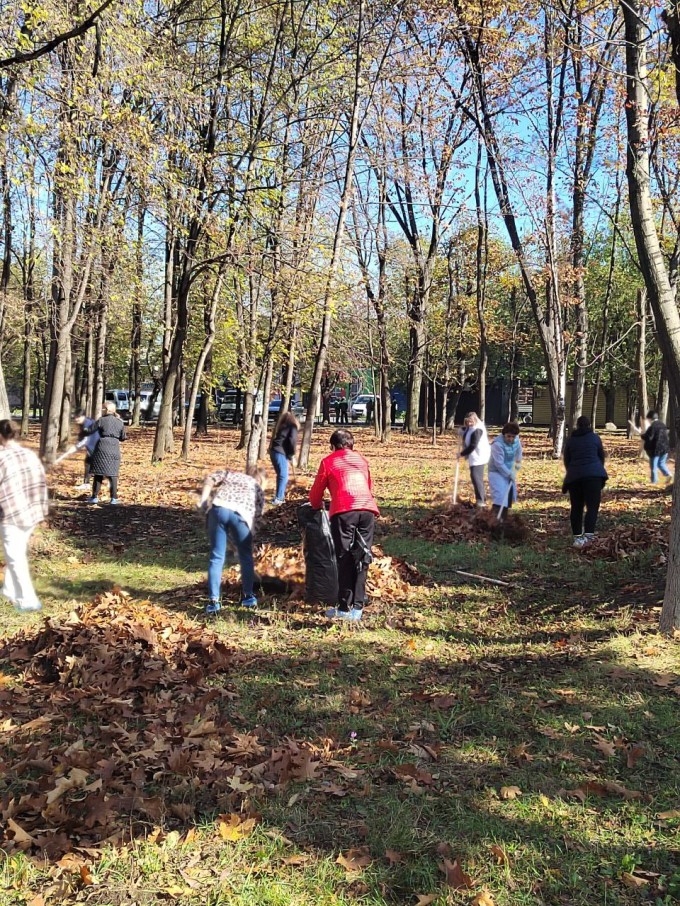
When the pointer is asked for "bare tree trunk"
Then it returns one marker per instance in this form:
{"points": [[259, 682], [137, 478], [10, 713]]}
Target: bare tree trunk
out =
{"points": [[266, 393], [641, 354], [136, 335], [659, 289], [320, 361], [205, 351]]}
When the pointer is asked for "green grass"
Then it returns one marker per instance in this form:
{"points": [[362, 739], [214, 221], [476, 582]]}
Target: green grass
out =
{"points": [[528, 674]]}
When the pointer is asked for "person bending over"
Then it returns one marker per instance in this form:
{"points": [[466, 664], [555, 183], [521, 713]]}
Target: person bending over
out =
{"points": [[505, 462]]}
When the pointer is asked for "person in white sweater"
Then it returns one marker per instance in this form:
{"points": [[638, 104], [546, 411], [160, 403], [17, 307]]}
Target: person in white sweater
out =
{"points": [[476, 449]]}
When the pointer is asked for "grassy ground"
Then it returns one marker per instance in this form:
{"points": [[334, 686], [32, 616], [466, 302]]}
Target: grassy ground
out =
{"points": [[474, 743]]}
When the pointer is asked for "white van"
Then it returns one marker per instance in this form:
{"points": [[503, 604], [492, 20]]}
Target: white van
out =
{"points": [[121, 399]]}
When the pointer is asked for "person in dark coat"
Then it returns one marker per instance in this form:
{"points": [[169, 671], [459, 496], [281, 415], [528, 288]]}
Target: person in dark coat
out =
{"points": [[657, 447], [585, 478], [282, 452], [106, 456]]}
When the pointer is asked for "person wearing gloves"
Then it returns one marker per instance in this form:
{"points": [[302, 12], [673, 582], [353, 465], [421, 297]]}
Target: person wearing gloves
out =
{"points": [[23, 504], [346, 475], [586, 476], [476, 449], [282, 452], [234, 502], [504, 463]]}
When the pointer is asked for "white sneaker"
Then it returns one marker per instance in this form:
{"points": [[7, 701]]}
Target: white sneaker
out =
{"points": [[579, 540], [28, 608], [82, 487]]}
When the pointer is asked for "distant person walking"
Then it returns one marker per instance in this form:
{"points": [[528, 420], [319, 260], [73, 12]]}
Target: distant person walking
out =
{"points": [[88, 442], [347, 477], [282, 452], [477, 451], [344, 420], [657, 446], [106, 457], [23, 504], [504, 463], [585, 477], [234, 502]]}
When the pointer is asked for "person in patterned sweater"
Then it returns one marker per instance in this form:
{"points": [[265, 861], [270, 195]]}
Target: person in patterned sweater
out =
{"points": [[23, 504], [347, 477], [234, 502]]}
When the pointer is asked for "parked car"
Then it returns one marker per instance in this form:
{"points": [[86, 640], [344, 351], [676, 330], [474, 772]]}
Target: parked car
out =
{"points": [[525, 413], [359, 404], [227, 410], [144, 399], [121, 399]]}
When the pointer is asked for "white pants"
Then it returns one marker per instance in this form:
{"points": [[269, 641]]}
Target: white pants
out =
{"points": [[18, 585]]}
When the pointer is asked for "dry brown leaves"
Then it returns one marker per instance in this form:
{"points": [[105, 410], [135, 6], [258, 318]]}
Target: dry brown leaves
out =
{"points": [[623, 541], [464, 522], [116, 727]]}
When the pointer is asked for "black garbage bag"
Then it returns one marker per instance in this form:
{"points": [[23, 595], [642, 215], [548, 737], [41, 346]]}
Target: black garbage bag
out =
{"points": [[321, 568]]}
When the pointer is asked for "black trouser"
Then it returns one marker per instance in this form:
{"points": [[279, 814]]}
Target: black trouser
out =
{"points": [[113, 482], [88, 463], [477, 477], [351, 582], [585, 493]]}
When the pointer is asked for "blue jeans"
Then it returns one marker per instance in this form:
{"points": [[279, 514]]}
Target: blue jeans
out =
{"points": [[659, 462], [221, 523], [280, 463]]}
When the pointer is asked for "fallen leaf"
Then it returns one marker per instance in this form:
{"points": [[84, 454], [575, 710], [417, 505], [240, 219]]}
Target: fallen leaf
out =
{"points": [[455, 876], [355, 859], [20, 835], [424, 899], [394, 857], [510, 792], [232, 828], [631, 880], [499, 854], [607, 748], [297, 859], [483, 899], [669, 815], [633, 754]]}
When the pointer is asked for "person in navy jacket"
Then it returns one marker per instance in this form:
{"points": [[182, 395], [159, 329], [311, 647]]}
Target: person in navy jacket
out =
{"points": [[585, 478]]}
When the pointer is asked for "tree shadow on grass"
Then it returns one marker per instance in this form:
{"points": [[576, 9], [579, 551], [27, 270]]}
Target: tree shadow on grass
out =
{"points": [[129, 717]]}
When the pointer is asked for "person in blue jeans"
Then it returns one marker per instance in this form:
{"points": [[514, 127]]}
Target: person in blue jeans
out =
{"points": [[657, 447], [234, 502], [282, 451]]}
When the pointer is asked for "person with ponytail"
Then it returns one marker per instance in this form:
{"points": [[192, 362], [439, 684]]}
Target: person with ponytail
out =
{"points": [[23, 504]]}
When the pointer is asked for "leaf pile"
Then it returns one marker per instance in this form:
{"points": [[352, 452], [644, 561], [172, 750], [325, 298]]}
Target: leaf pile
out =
{"points": [[115, 729], [623, 541], [465, 522], [390, 579]]}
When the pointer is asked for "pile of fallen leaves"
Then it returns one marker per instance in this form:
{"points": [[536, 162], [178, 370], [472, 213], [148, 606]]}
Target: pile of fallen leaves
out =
{"points": [[624, 541], [465, 522], [390, 579], [115, 729]]}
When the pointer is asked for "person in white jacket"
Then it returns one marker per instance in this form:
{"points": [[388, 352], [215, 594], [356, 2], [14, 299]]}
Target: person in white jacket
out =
{"points": [[505, 462], [477, 451]]}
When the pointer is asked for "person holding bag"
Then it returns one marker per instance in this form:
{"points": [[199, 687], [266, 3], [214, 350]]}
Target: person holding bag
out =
{"points": [[282, 452], [346, 475]]}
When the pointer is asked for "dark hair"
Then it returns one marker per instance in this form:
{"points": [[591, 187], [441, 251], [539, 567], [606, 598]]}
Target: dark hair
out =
{"points": [[288, 418], [7, 430], [510, 428], [342, 439], [652, 414], [79, 413], [583, 422]]}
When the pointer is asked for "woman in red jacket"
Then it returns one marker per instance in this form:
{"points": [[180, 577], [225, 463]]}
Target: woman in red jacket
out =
{"points": [[353, 510]]}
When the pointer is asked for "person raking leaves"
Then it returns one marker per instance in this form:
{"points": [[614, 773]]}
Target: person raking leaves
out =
{"points": [[505, 462]]}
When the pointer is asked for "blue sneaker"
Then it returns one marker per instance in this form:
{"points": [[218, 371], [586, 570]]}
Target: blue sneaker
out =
{"points": [[92, 500], [250, 602], [212, 608], [114, 501], [353, 615]]}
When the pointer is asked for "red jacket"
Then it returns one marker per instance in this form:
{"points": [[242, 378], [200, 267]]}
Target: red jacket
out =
{"points": [[348, 478]]}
